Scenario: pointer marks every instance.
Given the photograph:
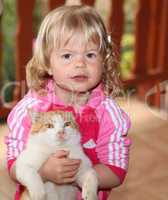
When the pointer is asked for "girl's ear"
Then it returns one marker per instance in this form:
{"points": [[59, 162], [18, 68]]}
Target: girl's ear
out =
{"points": [[32, 114]]}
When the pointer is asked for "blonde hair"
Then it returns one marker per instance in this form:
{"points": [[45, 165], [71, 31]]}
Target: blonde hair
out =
{"points": [[57, 28]]}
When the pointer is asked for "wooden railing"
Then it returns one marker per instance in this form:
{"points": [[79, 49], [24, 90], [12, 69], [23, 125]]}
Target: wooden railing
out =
{"points": [[150, 65]]}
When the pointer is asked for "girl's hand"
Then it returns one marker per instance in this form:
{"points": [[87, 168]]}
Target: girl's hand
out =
{"points": [[59, 168]]}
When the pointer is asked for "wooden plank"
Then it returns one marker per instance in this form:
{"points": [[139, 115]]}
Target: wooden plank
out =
{"points": [[55, 3], [153, 39], [1, 42], [163, 42], [24, 39], [136, 81], [4, 112], [116, 22], [1, 7], [88, 2], [140, 67], [160, 56], [141, 38], [156, 84]]}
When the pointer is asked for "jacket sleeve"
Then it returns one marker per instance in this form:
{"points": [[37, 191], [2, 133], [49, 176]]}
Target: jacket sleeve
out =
{"points": [[19, 125], [112, 142]]}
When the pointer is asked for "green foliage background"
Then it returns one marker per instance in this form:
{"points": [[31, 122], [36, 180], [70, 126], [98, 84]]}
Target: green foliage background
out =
{"points": [[8, 31], [9, 25], [128, 40]]}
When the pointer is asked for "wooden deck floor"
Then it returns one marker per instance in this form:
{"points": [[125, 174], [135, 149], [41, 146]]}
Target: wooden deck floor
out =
{"points": [[147, 177]]}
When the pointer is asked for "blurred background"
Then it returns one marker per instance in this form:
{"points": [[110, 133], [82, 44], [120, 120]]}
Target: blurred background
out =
{"points": [[139, 31]]}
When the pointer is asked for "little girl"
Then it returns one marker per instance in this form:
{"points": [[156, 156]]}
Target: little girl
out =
{"points": [[72, 69]]}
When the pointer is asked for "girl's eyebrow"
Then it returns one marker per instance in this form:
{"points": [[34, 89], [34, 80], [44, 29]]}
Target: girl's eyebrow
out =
{"points": [[65, 50], [68, 50], [92, 50]]}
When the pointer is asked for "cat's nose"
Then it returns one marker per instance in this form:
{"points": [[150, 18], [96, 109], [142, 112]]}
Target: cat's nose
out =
{"points": [[61, 135]]}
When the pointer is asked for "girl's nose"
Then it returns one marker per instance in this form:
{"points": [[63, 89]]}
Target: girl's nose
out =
{"points": [[80, 61]]}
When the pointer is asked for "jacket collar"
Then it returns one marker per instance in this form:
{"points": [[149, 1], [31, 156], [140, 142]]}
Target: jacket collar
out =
{"points": [[96, 97]]}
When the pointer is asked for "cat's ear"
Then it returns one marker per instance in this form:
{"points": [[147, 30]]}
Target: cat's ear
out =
{"points": [[33, 114], [69, 117], [50, 72]]}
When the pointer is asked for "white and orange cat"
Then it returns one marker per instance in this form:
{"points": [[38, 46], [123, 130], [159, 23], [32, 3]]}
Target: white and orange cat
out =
{"points": [[52, 131]]}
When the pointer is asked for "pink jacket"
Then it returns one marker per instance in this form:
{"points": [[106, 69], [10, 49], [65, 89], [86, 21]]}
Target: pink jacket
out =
{"points": [[103, 126]]}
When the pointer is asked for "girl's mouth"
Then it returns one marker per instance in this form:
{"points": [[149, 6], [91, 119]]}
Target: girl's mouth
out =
{"points": [[79, 78]]}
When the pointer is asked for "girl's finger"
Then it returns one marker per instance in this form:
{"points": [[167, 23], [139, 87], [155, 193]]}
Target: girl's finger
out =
{"points": [[61, 154], [68, 180], [70, 168], [71, 162], [69, 174]]}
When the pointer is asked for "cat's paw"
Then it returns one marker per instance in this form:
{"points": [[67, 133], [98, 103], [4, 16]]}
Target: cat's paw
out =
{"points": [[37, 193], [88, 194], [90, 185]]}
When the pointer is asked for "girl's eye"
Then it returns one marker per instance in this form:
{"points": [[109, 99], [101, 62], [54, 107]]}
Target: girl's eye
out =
{"points": [[66, 56], [49, 125], [91, 55]]}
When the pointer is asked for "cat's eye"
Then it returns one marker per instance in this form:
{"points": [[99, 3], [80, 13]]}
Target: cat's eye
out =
{"points": [[49, 125], [67, 124]]}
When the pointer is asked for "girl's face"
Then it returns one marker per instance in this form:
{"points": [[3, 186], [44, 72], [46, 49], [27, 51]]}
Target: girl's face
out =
{"points": [[76, 66]]}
